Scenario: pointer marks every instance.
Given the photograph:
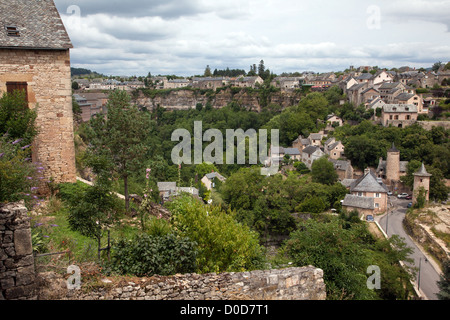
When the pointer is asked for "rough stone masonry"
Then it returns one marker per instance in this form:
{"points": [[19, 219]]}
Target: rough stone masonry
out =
{"points": [[17, 274]]}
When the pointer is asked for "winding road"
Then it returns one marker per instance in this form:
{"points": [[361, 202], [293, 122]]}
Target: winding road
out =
{"points": [[426, 279]]}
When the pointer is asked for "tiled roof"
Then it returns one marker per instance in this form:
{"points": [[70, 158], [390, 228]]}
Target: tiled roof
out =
{"points": [[38, 23]]}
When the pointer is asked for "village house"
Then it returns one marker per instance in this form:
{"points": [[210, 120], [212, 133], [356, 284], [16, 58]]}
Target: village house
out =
{"points": [[176, 83], [316, 139], [410, 98], [167, 190], [343, 168], [247, 82], [375, 103], [369, 94], [334, 121], [311, 154], [382, 76], [368, 195], [35, 58], [301, 143], [334, 150], [210, 82], [355, 93], [287, 83], [210, 179], [398, 115]]}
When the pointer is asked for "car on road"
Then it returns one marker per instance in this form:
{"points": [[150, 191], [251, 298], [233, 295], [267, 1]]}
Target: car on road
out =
{"points": [[402, 195], [409, 197], [409, 205], [389, 193], [369, 217]]}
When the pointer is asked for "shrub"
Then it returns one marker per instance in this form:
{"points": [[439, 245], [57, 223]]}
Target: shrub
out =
{"points": [[224, 244], [146, 255], [18, 176]]}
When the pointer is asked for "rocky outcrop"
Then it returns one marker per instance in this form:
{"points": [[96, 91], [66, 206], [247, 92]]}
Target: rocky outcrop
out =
{"points": [[189, 98]]}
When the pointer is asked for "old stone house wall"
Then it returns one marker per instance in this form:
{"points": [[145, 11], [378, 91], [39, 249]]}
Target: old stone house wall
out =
{"points": [[47, 74]]}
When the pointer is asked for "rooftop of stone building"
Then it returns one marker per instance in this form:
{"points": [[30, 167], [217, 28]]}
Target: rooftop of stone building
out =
{"points": [[32, 25]]}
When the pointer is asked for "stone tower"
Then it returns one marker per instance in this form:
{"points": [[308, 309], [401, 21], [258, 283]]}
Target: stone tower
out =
{"points": [[393, 165], [35, 57], [421, 179]]}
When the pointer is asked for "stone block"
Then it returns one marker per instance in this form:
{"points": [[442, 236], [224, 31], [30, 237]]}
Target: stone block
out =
{"points": [[22, 242]]}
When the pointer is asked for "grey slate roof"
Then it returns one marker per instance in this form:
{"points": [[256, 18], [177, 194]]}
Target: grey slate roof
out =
{"points": [[368, 183], [404, 96], [310, 149], [422, 172], [394, 108], [167, 186], [340, 164], [292, 151], [358, 202], [38, 22]]}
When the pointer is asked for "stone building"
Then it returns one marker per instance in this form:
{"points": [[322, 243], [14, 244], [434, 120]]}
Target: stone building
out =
{"points": [[421, 180], [35, 57], [399, 115], [369, 194], [391, 169]]}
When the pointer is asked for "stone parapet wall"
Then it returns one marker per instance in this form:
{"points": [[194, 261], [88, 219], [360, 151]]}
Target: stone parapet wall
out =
{"points": [[17, 274], [280, 284]]}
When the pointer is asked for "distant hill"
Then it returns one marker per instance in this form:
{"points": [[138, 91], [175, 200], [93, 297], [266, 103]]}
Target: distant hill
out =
{"points": [[83, 72]]}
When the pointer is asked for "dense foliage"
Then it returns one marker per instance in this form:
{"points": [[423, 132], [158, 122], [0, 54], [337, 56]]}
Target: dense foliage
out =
{"points": [[344, 252], [18, 175], [223, 244], [146, 255], [267, 204]]}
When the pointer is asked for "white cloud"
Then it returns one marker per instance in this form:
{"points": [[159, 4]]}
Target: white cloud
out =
{"points": [[182, 37]]}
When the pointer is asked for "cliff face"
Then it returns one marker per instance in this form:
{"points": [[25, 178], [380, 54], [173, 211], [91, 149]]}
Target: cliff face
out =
{"points": [[187, 99]]}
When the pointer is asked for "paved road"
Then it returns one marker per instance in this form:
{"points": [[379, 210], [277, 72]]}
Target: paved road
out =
{"points": [[393, 224]]}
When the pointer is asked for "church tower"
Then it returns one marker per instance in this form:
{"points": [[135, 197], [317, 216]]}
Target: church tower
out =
{"points": [[421, 179], [393, 165]]}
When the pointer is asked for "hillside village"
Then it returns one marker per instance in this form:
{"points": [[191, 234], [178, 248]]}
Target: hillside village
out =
{"points": [[177, 227], [399, 98]]}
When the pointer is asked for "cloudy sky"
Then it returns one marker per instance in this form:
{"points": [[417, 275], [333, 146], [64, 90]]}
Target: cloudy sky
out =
{"points": [[181, 37]]}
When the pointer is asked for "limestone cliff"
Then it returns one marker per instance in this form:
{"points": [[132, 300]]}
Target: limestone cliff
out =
{"points": [[186, 99]]}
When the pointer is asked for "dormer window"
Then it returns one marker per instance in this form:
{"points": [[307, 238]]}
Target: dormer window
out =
{"points": [[12, 31]]}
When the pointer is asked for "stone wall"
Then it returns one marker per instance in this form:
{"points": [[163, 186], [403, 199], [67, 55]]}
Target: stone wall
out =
{"points": [[47, 74], [17, 274], [279, 284]]}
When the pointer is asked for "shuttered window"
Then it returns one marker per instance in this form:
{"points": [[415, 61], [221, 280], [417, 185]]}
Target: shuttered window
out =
{"points": [[13, 86]]}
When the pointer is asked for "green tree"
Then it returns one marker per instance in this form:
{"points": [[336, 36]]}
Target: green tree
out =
{"points": [[224, 245], [444, 282], [93, 210], [207, 72], [120, 137], [323, 172], [344, 254]]}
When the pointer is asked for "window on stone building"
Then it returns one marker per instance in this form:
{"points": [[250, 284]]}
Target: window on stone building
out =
{"points": [[13, 86]]}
